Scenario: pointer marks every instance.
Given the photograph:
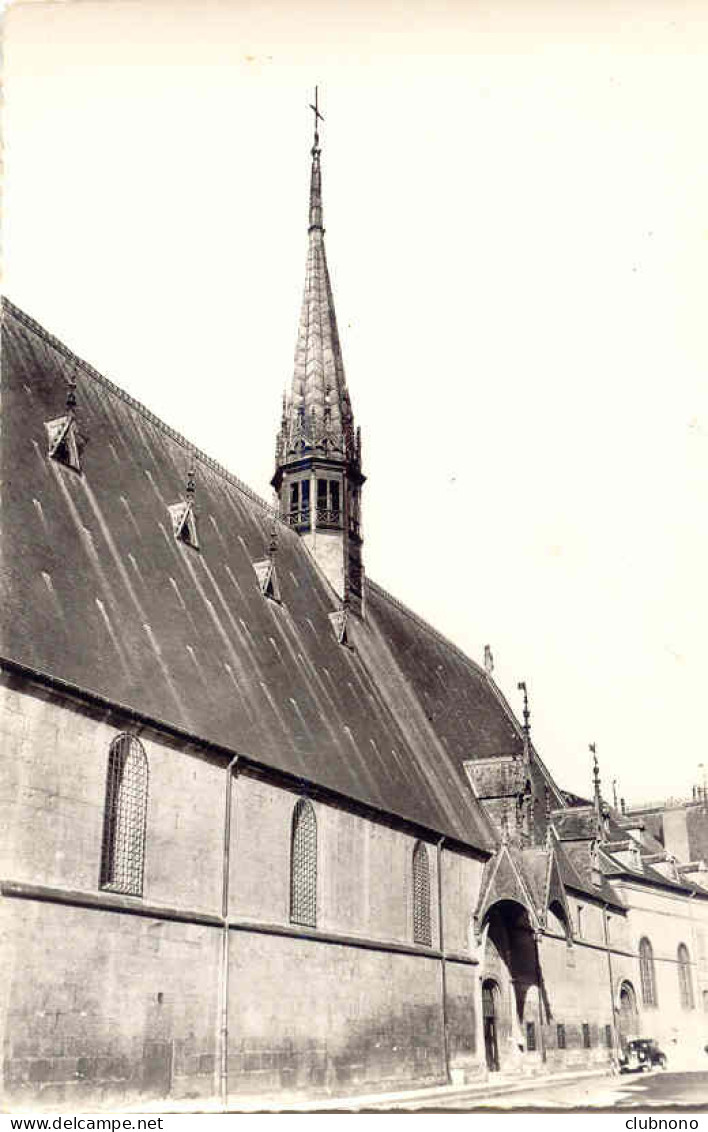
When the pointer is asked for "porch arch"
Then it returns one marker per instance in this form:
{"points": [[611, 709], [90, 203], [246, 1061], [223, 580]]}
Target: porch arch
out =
{"points": [[510, 982]]}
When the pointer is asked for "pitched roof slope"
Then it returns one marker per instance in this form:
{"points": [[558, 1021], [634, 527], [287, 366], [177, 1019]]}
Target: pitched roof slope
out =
{"points": [[467, 712], [99, 593]]}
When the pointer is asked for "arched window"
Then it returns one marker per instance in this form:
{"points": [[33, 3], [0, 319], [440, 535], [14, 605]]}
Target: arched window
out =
{"points": [[123, 849], [647, 974], [303, 865], [421, 896], [684, 975]]}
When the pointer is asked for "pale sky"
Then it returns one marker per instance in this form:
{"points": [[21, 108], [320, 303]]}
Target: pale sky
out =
{"points": [[516, 210]]}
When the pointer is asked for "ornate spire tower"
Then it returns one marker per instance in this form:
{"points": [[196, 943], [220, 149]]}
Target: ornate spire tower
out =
{"points": [[318, 475]]}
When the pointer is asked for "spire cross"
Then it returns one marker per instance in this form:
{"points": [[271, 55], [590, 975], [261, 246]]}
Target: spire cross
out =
{"points": [[318, 117]]}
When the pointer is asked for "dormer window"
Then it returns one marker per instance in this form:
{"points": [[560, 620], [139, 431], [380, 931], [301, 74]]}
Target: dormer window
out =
{"points": [[65, 442], [184, 523], [267, 579]]}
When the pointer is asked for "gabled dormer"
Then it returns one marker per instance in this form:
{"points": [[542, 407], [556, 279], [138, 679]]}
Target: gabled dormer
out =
{"points": [[65, 443], [184, 522]]}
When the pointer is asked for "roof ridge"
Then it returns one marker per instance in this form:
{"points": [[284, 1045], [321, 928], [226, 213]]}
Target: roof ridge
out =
{"points": [[423, 624], [96, 375]]}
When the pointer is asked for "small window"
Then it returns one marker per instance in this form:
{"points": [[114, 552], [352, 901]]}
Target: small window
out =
{"points": [[421, 896], [530, 1036], [184, 523], [334, 495], [328, 513], [608, 1036], [300, 503], [124, 817], [685, 981], [303, 865], [580, 921], [560, 1035], [586, 1035], [65, 444]]}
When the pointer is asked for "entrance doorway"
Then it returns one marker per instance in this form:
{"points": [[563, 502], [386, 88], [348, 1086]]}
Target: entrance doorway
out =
{"points": [[490, 1016], [628, 1021]]}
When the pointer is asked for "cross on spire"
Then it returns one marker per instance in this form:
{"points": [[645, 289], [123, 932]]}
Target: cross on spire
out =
{"points": [[318, 117]]}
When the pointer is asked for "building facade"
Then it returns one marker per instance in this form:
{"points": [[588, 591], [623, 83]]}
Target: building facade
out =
{"points": [[265, 831]]}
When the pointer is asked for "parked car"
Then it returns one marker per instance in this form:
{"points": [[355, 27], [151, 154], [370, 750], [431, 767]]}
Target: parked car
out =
{"points": [[640, 1054]]}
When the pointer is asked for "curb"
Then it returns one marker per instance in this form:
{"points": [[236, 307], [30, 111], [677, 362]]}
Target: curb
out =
{"points": [[411, 1097]]}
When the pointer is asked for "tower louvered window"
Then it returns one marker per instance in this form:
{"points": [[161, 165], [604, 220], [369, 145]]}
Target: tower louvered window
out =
{"points": [[303, 866], [646, 973], [421, 896], [123, 850], [684, 975]]}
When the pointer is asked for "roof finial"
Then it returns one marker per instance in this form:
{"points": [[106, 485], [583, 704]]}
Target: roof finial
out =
{"points": [[596, 788], [273, 544], [488, 660], [318, 117], [71, 394], [316, 175], [527, 713], [191, 482]]}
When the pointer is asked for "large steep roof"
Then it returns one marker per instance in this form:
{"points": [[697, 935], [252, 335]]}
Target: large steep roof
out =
{"points": [[99, 593]]}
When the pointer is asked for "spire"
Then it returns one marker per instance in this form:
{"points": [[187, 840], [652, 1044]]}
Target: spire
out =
{"points": [[318, 477], [318, 417]]}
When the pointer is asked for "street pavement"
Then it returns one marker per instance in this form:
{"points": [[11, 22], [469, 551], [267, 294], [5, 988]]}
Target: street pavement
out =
{"points": [[659, 1090]]}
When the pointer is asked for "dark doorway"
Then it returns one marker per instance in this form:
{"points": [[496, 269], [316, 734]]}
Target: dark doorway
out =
{"points": [[628, 1020], [490, 992]]}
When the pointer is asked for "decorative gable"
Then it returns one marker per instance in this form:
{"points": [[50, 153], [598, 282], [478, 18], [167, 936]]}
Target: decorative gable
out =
{"points": [[267, 578], [555, 889], [338, 621], [184, 523], [65, 444], [504, 881]]}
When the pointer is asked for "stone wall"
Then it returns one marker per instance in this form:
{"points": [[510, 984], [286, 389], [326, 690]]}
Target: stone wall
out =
{"points": [[104, 1008], [118, 1002]]}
